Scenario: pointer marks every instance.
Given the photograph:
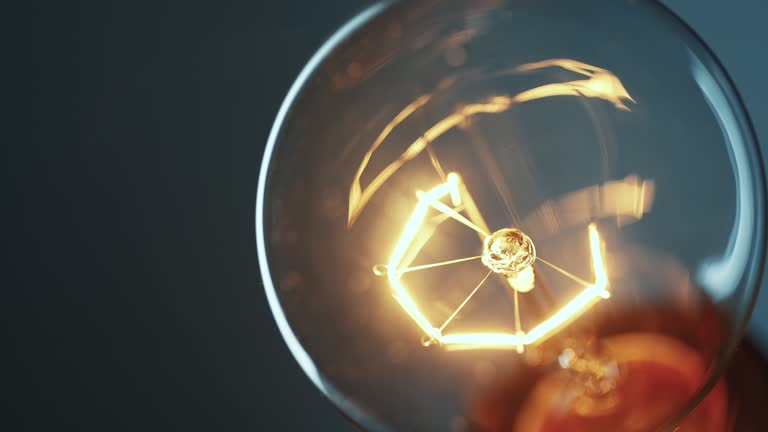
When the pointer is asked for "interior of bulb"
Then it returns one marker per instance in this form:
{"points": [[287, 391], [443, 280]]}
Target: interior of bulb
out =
{"points": [[516, 272], [478, 216]]}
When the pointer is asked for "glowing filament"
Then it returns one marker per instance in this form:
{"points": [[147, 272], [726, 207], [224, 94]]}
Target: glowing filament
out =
{"points": [[397, 266]]}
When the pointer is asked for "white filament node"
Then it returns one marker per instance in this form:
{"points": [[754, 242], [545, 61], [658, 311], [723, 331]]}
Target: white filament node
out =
{"points": [[508, 251]]}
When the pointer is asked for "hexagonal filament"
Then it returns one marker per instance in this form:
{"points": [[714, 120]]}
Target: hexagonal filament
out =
{"points": [[508, 252], [400, 259]]}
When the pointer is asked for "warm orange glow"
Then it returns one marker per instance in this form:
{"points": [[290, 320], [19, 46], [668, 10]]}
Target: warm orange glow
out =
{"points": [[592, 293], [601, 83]]}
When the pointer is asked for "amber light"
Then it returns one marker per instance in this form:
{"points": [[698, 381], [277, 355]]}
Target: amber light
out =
{"points": [[399, 261]]}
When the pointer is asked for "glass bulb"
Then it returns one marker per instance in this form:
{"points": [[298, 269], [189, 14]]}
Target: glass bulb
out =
{"points": [[513, 216]]}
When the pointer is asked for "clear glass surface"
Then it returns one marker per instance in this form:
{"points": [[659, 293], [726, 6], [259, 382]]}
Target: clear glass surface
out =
{"points": [[462, 199]]}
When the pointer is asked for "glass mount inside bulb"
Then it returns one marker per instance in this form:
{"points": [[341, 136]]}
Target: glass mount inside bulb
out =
{"points": [[509, 251]]}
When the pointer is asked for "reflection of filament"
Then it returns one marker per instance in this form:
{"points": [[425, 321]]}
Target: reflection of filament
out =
{"points": [[599, 83], [547, 328], [358, 197], [627, 200]]}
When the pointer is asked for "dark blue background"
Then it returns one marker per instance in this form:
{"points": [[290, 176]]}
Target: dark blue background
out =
{"points": [[131, 291]]}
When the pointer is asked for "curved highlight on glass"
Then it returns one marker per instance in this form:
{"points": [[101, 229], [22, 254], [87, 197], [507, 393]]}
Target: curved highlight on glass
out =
{"points": [[514, 216]]}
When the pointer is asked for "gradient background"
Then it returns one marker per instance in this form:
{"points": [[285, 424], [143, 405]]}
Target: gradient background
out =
{"points": [[131, 293]]}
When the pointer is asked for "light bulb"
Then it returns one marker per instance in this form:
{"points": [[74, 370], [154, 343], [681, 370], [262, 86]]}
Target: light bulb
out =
{"points": [[522, 216]]}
